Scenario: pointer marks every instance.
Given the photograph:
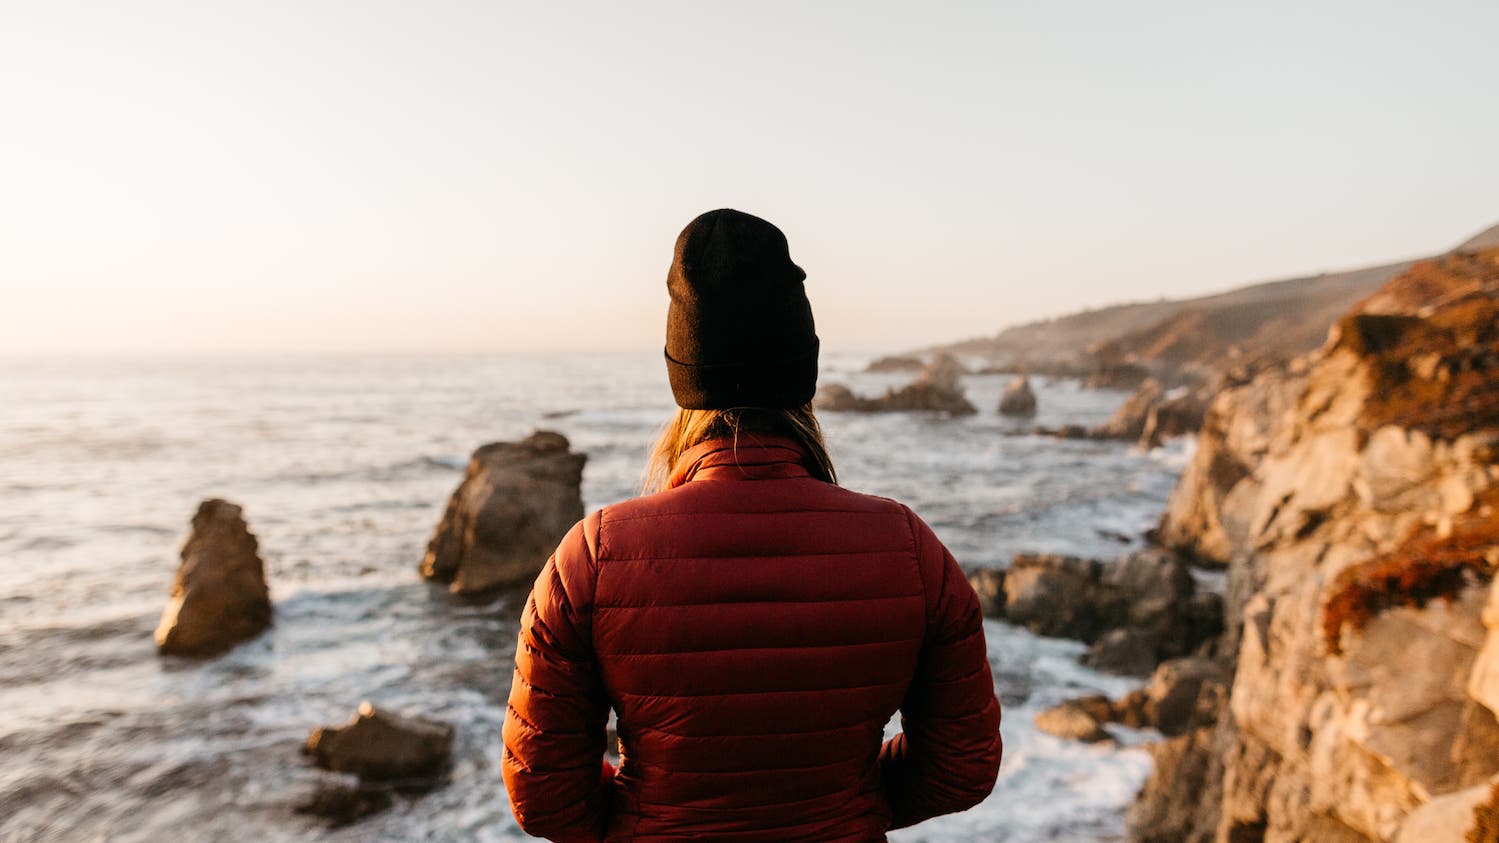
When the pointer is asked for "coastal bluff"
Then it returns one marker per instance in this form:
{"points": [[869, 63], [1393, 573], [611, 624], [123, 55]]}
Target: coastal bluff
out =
{"points": [[1352, 495]]}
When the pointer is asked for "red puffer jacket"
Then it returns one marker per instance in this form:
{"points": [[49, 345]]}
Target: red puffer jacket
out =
{"points": [[754, 629]]}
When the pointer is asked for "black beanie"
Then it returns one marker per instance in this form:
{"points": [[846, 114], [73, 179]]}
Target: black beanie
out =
{"points": [[739, 331]]}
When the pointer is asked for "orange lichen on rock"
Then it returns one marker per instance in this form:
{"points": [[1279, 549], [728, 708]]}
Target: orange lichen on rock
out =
{"points": [[1485, 820], [1431, 337], [1424, 568]]}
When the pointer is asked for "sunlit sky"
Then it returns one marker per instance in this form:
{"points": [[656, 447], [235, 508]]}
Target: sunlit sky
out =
{"points": [[353, 176]]}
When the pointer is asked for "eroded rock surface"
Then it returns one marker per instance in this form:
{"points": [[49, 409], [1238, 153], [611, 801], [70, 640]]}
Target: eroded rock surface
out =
{"points": [[1352, 496], [379, 745], [219, 596], [516, 502]]}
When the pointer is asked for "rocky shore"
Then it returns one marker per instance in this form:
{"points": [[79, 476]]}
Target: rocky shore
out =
{"points": [[1352, 497]]}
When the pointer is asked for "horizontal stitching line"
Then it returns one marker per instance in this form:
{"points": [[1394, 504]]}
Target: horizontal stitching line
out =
{"points": [[756, 771], [781, 648], [710, 514], [756, 602], [756, 735], [765, 693], [799, 554]]}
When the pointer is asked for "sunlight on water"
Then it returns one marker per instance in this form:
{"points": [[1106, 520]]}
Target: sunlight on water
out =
{"points": [[343, 466]]}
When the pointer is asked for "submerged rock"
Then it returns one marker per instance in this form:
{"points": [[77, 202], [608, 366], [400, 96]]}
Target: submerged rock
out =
{"points": [[219, 596], [379, 745], [516, 502], [1018, 398]]}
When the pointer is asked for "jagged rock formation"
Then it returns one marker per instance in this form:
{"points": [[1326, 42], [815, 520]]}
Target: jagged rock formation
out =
{"points": [[516, 502], [219, 596], [380, 746], [935, 390], [1148, 417], [1354, 497], [1018, 398], [1135, 613]]}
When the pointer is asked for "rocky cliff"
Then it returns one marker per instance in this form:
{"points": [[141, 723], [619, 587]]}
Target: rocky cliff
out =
{"points": [[1353, 496]]}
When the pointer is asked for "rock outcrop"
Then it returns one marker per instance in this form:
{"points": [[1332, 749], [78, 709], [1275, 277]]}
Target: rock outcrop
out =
{"points": [[1354, 497], [1018, 398], [219, 596], [381, 746], [516, 502], [935, 390], [1136, 612], [896, 363]]}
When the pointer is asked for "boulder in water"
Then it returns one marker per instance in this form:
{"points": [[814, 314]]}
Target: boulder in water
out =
{"points": [[219, 596], [380, 745], [1018, 398], [516, 502], [1072, 722], [936, 390]]}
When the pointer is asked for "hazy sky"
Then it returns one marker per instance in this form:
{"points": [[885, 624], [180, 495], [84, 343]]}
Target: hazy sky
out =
{"points": [[465, 175]]}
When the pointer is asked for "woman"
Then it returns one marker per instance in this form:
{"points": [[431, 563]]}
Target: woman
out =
{"points": [[753, 625]]}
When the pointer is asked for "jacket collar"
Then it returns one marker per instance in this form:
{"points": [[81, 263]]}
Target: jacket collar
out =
{"points": [[750, 456]]}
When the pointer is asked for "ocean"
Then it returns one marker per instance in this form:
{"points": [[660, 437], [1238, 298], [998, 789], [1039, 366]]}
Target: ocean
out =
{"points": [[343, 465]]}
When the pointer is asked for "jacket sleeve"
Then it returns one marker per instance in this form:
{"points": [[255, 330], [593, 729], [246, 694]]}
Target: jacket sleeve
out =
{"points": [[946, 758], [554, 735]]}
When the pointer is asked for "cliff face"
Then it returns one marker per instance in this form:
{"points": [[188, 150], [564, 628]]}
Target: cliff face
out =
{"points": [[1354, 497]]}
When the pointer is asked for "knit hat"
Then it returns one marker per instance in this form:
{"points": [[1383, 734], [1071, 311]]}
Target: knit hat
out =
{"points": [[739, 331]]}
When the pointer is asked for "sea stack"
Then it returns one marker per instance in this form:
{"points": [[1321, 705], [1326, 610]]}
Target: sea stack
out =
{"points": [[516, 502], [1018, 399], [219, 597]]}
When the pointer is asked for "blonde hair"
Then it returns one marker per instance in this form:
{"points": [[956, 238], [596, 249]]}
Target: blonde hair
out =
{"points": [[689, 427]]}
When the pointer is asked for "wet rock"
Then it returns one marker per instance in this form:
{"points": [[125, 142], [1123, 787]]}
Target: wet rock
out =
{"points": [[1018, 398], [989, 584], [219, 596], [516, 502], [936, 390], [344, 804], [1135, 612], [1061, 596], [1072, 722], [380, 746], [1125, 651]]}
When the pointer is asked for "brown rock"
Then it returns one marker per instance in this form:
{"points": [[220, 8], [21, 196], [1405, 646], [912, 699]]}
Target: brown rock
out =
{"points": [[1018, 398], [1072, 722], [1061, 596], [219, 596], [1128, 422], [989, 584], [1177, 803], [896, 363], [1179, 415], [1185, 694], [379, 745], [516, 502]]}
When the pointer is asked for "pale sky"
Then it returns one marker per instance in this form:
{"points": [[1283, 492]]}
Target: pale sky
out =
{"points": [[352, 176]]}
